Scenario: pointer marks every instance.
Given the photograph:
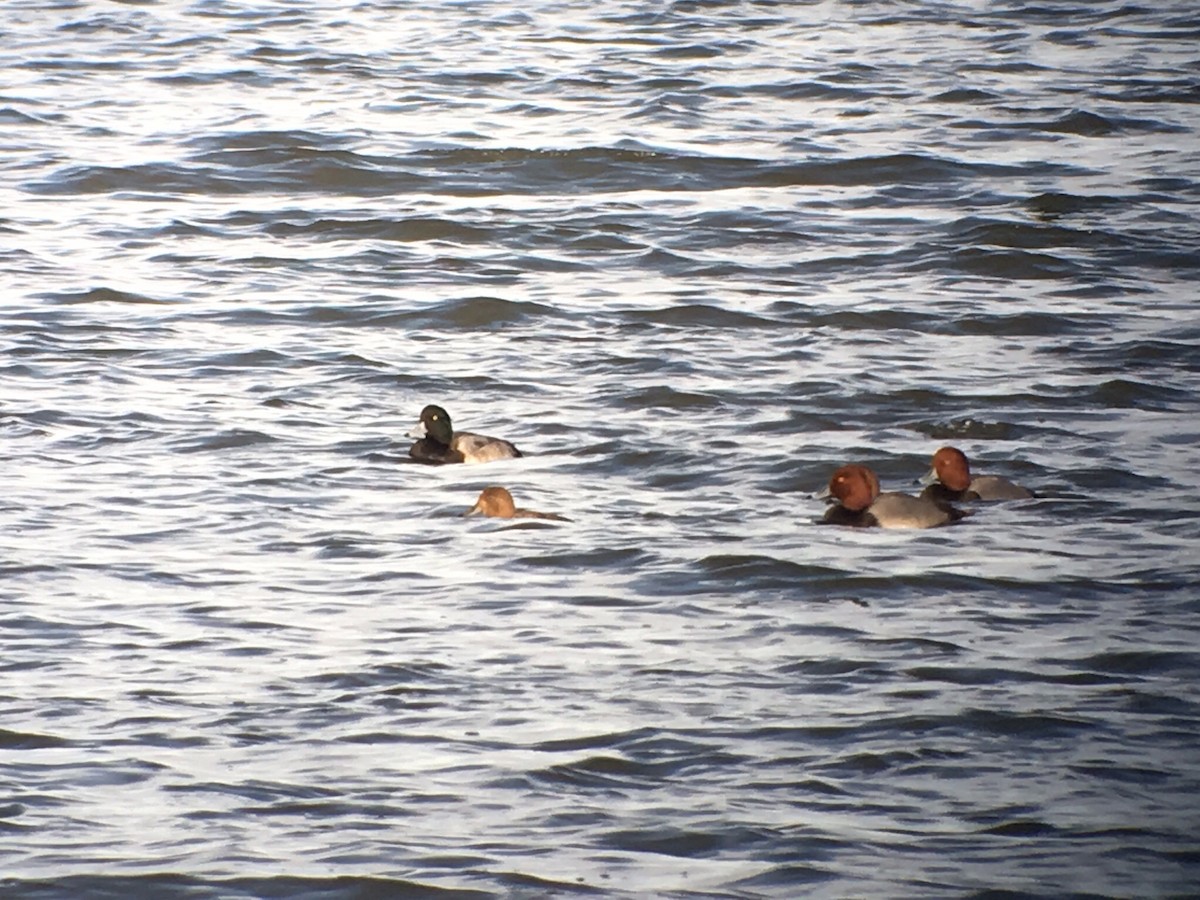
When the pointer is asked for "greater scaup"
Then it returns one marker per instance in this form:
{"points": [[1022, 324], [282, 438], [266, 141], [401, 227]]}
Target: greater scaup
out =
{"points": [[438, 443]]}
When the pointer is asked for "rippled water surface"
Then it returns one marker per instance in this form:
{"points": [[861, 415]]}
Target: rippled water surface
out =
{"points": [[690, 257]]}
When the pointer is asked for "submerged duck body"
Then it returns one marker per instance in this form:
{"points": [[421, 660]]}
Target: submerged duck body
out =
{"points": [[498, 502], [860, 504], [950, 479], [438, 444]]}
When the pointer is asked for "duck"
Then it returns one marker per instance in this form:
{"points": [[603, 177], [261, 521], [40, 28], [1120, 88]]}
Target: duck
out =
{"points": [[498, 502], [437, 442], [857, 501], [950, 479]]}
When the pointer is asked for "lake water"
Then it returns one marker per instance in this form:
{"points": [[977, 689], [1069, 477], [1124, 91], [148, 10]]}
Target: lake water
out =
{"points": [[690, 257]]}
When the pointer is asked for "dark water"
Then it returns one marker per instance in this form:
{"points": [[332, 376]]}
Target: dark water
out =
{"points": [[690, 257]]}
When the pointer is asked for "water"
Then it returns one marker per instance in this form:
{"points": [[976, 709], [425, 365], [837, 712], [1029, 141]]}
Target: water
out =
{"points": [[689, 257]]}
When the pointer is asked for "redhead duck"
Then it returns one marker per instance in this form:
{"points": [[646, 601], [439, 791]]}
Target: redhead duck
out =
{"points": [[859, 503], [438, 443], [498, 502], [950, 479]]}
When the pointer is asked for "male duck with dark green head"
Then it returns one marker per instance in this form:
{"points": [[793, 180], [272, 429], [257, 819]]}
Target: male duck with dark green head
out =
{"points": [[438, 443]]}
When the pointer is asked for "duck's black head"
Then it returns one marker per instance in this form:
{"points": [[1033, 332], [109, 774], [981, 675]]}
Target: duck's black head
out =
{"points": [[436, 422]]}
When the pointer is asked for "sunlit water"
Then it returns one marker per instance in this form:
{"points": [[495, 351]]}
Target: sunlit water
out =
{"points": [[689, 257]]}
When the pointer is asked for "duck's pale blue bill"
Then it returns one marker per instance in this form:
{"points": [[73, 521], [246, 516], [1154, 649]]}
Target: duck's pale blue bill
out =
{"points": [[929, 477], [824, 494], [473, 511], [419, 431]]}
